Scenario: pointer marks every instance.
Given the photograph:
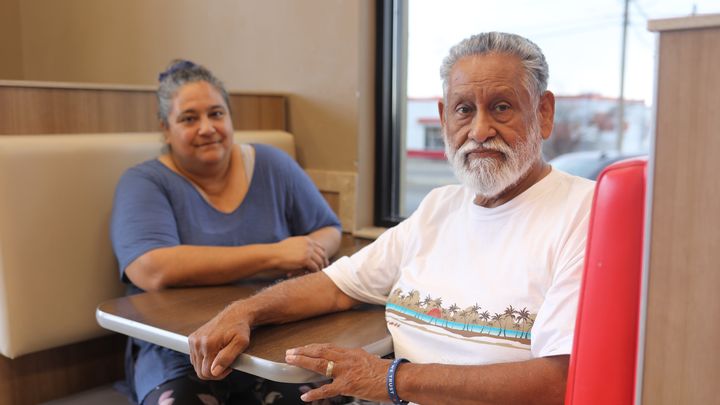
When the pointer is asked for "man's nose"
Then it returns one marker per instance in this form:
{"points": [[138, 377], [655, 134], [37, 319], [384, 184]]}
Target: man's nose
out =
{"points": [[482, 127]]}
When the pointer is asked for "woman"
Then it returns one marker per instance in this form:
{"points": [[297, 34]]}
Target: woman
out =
{"points": [[209, 212]]}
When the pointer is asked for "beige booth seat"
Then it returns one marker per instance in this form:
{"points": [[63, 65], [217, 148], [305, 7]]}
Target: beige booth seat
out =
{"points": [[56, 262]]}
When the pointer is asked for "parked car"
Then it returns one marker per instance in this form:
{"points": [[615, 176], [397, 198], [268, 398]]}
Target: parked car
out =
{"points": [[588, 164]]}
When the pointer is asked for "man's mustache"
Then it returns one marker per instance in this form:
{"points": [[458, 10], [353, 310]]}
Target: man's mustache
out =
{"points": [[493, 145]]}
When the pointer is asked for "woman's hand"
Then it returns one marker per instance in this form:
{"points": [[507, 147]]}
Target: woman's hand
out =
{"points": [[301, 253], [355, 372], [215, 345]]}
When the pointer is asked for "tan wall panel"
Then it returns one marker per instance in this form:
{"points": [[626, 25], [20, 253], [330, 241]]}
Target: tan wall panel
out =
{"points": [[310, 50], [682, 362], [363, 207], [10, 41]]}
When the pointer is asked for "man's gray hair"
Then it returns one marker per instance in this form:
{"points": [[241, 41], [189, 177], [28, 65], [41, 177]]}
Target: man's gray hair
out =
{"points": [[532, 58], [179, 73]]}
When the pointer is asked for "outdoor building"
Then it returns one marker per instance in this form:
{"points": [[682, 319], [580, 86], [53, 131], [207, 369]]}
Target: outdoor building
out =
{"points": [[583, 122]]}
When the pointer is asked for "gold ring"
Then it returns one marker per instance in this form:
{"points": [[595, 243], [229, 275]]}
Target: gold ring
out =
{"points": [[329, 369]]}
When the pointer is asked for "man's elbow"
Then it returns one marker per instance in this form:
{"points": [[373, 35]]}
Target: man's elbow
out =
{"points": [[556, 393], [557, 379], [551, 392]]}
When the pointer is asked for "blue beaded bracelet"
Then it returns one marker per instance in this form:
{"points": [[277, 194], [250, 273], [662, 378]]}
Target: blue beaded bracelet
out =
{"points": [[390, 381]]}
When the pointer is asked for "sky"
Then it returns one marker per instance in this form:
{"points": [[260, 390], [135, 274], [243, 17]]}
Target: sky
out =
{"points": [[581, 39]]}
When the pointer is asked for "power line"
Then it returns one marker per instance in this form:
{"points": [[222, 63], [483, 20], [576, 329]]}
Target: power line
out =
{"points": [[621, 99], [640, 9], [540, 29], [638, 30], [575, 29]]}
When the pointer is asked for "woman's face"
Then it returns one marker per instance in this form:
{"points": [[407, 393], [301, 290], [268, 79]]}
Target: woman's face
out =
{"points": [[199, 131]]}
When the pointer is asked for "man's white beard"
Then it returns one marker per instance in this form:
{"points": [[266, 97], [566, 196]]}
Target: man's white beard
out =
{"points": [[489, 177]]}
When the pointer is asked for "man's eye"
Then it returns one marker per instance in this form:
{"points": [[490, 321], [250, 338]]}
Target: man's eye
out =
{"points": [[217, 114], [463, 109], [502, 107], [187, 119]]}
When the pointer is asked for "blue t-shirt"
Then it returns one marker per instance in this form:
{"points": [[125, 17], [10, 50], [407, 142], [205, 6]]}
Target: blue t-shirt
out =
{"points": [[155, 207]]}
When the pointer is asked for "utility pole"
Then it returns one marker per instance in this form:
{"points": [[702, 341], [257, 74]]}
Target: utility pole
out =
{"points": [[621, 99]]}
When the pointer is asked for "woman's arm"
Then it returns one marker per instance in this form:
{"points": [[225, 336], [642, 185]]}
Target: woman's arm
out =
{"points": [[187, 265], [329, 238]]}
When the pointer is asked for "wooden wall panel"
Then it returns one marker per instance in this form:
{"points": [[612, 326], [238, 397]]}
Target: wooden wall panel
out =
{"points": [[29, 110], [259, 112], [681, 358], [38, 109], [273, 113], [55, 373]]}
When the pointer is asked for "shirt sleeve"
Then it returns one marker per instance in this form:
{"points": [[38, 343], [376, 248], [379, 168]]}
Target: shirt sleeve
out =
{"points": [[370, 274], [142, 218], [554, 327]]}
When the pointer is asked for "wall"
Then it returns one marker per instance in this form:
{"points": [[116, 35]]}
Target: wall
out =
{"points": [[318, 52], [10, 42], [682, 270]]}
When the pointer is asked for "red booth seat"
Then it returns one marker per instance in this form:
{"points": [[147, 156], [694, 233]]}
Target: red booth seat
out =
{"points": [[603, 361]]}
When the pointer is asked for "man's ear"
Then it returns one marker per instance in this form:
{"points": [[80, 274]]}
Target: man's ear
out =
{"points": [[441, 111], [547, 113]]}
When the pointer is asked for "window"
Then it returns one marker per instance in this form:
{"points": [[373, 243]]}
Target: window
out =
{"points": [[433, 138], [583, 46]]}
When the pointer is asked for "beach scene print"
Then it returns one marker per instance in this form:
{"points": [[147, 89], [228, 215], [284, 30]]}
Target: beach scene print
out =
{"points": [[513, 324]]}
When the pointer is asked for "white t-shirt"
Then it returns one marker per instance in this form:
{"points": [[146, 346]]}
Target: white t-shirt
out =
{"points": [[464, 284]]}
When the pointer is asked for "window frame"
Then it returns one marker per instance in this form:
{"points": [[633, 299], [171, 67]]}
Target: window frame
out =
{"points": [[391, 96]]}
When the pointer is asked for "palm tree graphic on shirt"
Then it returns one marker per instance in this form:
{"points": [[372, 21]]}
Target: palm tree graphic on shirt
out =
{"points": [[512, 324]]}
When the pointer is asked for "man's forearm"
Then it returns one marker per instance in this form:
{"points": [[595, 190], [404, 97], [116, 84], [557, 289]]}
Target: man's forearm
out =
{"points": [[294, 299], [216, 344], [537, 381]]}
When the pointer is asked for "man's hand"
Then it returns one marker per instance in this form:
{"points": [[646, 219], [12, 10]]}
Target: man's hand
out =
{"points": [[355, 372], [215, 345]]}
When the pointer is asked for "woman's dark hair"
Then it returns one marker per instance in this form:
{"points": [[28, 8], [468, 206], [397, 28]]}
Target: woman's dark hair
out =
{"points": [[179, 73]]}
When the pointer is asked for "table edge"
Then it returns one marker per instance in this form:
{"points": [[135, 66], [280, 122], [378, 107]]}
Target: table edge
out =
{"points": [[281, 372]]}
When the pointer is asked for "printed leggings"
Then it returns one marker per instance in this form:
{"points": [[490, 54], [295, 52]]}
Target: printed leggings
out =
{"points": [[190, 390]]}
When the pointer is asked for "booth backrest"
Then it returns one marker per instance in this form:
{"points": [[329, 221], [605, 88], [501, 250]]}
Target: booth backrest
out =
{"points": [[602, 364], [56, 262]]}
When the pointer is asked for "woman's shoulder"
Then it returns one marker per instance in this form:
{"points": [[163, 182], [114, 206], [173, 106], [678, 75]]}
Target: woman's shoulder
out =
{"points": [[150, 170], [145, 168], [269, 152], [274, 160]]}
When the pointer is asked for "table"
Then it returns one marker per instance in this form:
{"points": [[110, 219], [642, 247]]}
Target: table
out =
{"points": [[167, 317]]}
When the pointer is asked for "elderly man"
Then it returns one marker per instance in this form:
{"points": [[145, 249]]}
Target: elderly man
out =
{"points": [[480, 284]]}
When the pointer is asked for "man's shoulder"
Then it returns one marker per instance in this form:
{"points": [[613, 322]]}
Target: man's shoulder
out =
{"points": [[443, 194], [574, 186], [439, 202], [571, 178], [569, 196]]}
